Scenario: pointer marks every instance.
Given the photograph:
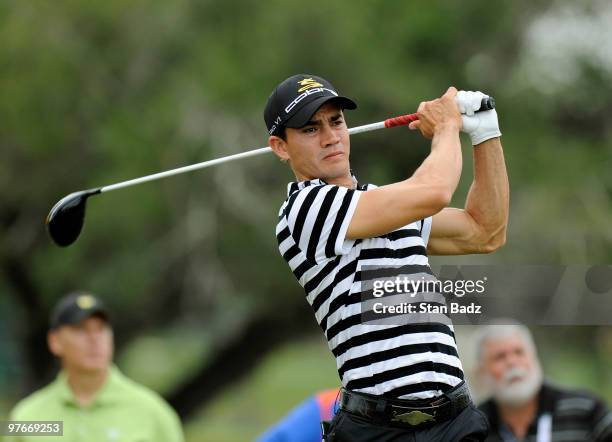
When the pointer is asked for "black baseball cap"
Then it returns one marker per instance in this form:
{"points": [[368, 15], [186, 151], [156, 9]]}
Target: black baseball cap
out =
{"points": [[294, 101], [75, 307]]}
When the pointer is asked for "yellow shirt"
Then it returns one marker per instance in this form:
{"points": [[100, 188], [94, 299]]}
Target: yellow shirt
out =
{"points": [[123, 411]]}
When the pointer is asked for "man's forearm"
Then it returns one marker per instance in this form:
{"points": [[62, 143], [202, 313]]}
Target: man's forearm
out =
{"points": [[443, 165], [488, 199], [426, 193]]}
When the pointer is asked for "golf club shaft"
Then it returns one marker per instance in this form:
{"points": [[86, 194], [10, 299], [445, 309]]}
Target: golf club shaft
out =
{"points": [[238, 156], [401, 120]]}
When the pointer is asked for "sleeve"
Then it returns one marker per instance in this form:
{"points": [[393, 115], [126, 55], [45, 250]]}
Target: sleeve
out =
{"points": [[318, 218], [16, 414], [601, 423], [425, 228], [168, 424], [302, 424]]}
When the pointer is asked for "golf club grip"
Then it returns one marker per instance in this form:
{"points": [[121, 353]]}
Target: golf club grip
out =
{"points": [[487, 103]]}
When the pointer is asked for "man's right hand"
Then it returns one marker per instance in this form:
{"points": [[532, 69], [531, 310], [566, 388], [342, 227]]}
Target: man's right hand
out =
{"points": [[429, 189], [439, 114]]}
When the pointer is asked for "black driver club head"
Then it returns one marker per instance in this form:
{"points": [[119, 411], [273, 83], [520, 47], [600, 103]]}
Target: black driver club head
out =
{"points": [[65, 220]]}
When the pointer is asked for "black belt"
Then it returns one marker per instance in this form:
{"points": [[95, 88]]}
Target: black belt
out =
{"points": [[406, 412]]}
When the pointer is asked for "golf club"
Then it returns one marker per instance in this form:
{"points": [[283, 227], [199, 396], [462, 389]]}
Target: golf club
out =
{"points": [[65, 220]]}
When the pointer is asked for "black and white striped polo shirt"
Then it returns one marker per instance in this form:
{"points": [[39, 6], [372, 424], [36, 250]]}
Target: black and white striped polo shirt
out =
{"points": [[410, 361]]}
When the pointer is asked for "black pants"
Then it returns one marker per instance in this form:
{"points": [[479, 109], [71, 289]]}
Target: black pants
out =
{"points": [[470, 425]]}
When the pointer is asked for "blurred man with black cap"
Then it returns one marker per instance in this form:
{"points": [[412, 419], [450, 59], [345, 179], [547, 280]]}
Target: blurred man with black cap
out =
{"points": [[93, 399], [401, 380]]}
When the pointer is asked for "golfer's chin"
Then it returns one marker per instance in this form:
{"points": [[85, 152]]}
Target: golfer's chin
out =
{"points": [[335, 171]]}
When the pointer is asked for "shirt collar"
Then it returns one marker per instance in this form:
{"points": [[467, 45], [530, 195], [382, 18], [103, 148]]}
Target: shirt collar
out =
{"points": [[299, 185], [106, 395], [546, 398]]}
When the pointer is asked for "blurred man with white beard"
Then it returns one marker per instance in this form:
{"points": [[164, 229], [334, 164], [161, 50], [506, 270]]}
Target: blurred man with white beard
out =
{"points": [[523, 406]]}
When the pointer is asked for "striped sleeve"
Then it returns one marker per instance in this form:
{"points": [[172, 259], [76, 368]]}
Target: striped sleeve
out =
{"points": [[318, 219], [601, 424], [425, 229]]}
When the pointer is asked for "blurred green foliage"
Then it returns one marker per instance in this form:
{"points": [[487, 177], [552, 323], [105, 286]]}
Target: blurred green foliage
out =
{"points": [[267, 394], [99, 92]]}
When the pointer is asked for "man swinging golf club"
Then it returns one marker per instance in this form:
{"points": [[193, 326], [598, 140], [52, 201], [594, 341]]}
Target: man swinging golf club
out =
{"points": [[400, 382]]}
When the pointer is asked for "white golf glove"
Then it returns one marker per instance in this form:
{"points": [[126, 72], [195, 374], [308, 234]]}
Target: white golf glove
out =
{"points": [[481, 126]]}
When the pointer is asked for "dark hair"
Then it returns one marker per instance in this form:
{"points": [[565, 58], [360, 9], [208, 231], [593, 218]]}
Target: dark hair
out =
{"points": [[282, 133]]}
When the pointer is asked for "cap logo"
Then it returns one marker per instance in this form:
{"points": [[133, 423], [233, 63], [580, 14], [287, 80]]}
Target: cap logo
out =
{"points": [[277, 122], [308, 83], [85, 302], [305, 94]]}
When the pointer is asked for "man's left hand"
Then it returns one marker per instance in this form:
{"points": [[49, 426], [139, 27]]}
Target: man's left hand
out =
{"points": [[480, 126]]}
